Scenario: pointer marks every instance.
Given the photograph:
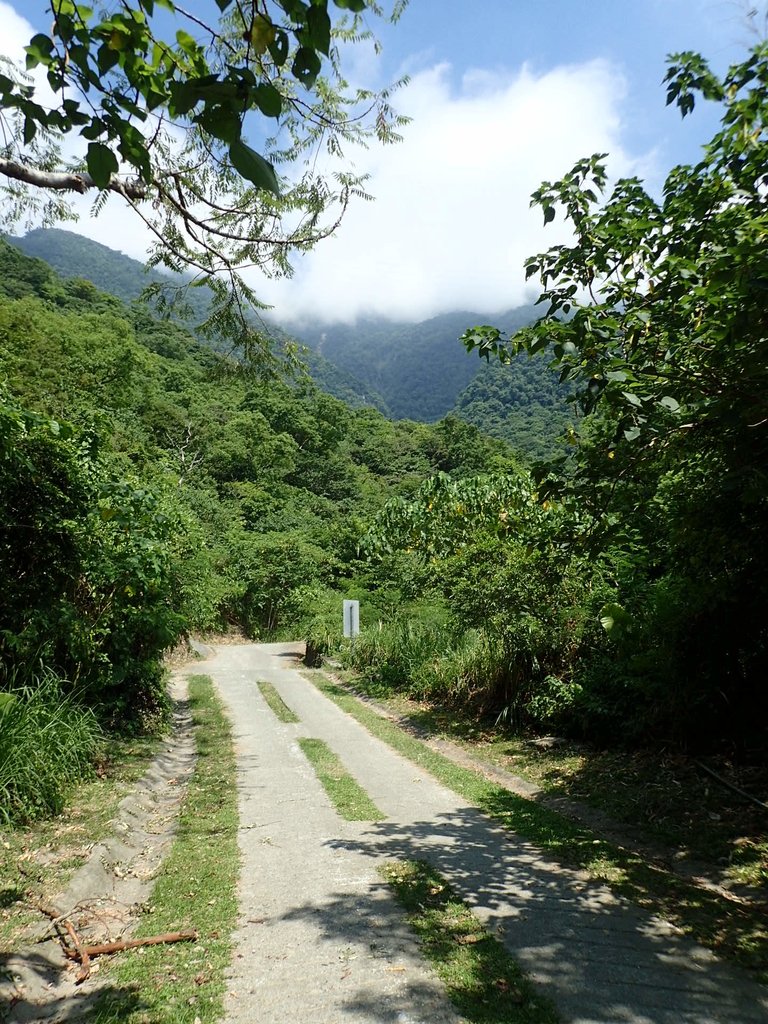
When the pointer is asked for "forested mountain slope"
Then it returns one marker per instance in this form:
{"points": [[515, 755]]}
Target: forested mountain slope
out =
{"points": [[72, 255], [423, 373], [165, 488], [523, 403], [416, 371], [419, 368]]}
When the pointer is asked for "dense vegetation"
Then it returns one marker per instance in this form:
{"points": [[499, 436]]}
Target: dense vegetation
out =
{"points": [[617, 593], [150, 487], [524, 403], [657, 315], [410, 370], [73, 255], [422, 374]]}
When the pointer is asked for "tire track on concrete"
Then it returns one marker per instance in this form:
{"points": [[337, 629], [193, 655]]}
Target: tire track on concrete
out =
{"points": [[321, 940]]}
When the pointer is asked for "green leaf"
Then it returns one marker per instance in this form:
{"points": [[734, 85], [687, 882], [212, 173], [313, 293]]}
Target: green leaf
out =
{"points": [[351, 5], [279, 48], [93, 129], [184, 96], [221, 122], [187, 42], [262, 33], [306, 66], [253, 167], [267, 99], [39, 51], [614, 617], [106, 58], [319, 25], [670, 403], [101, 162], [632, 399], [30, 130]]}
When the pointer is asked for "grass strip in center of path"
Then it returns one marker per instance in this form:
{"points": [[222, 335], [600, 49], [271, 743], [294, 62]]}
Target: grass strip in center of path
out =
{"points": [[278, 706], [348, 796], [196, 888], [737, 932], [481, 979]]}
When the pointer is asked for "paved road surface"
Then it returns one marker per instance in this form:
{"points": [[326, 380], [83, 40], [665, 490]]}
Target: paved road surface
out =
{"points": [[321, 942]]}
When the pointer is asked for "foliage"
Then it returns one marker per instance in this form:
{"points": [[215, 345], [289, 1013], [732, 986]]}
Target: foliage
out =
{"points": [[72, 255], [392, 653], [524, 610], [164, 123], [167, 493], [656, 315], [421, 375], [445, 514], [522, 402], [48, 743]]}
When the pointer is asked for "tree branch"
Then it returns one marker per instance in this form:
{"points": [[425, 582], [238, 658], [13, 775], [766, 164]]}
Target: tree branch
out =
{"points": [[76, 181]]}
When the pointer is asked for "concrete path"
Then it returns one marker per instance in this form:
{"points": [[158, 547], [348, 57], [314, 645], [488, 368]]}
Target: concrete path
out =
{"points": [[321, 941]]}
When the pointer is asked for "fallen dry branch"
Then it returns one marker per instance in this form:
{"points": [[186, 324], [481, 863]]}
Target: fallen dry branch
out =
{"points": [[82, 954], [63, 925], [120, 944]]}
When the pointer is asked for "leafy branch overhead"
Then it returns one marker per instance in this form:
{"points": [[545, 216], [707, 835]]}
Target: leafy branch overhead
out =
{"points": [[656, 315], [211, 127], [656, 310]]}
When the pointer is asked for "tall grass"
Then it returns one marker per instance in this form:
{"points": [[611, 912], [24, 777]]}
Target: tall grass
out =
{"points": [[437, 662], [421, 651], [392, 653], [48, 742], [473, 670]]}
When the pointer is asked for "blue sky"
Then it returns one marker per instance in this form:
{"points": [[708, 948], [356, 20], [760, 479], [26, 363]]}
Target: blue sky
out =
{"points": [[503, 94], [635, 35]]}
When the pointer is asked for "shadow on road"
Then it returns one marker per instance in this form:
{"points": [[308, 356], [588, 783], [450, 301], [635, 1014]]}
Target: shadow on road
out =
{"points": [[600, 959]]}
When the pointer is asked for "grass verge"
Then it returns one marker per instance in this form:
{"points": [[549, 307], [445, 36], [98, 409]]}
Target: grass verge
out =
{"points": [[347, 796], [278, 706], [481, 979], [38, 859], [738, 932], [196, 889]]}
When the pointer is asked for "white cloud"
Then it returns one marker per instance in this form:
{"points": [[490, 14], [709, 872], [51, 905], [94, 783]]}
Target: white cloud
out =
{"points": [[15, 34], [451, 224], [15, 31]]}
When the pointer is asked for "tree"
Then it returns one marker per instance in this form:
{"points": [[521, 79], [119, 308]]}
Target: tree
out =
{"points": [[166, 123], [657, 314], [657, 310]]}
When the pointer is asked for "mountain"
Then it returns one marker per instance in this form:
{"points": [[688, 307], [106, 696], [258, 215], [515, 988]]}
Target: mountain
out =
{"points": [[423, 373], [416, 371], [73, 255], [419, 369], [523, 403]]}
